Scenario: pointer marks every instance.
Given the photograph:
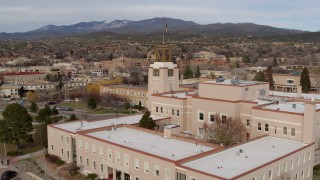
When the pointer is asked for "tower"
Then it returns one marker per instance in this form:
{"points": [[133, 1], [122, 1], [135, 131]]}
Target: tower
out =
{"points": [[163, 75]]}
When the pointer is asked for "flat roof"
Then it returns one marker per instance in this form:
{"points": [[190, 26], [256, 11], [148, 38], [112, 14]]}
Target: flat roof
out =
{"points": [[178, 94], [76, 126], [230, 163], [294, 95], [235, 82], [289, 107], [172, 149]]}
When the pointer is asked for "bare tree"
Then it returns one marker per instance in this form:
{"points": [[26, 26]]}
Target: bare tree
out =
{"points": [[226, 131]]}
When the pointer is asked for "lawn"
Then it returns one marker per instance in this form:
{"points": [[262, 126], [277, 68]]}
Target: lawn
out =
{"points": [[74, 105], [26, 148]]}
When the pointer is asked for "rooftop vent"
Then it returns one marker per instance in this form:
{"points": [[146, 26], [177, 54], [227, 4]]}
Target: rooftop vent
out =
{"points": [[241, 150], [294, 105]]}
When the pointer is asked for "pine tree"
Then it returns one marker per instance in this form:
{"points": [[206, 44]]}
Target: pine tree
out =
{"points": [[305, 81], [16, 124], [33, 107], [92, 103], [146, 121], [140, 106], [269, 77], [259, 77], [197, 74], [187, 74]]}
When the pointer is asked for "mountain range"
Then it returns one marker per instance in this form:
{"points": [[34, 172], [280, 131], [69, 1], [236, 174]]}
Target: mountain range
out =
{"points": [[151, 26]]}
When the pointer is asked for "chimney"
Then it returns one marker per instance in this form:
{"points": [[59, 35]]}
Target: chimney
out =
{"points": [[299, 91], [309, 122], [167, 132]]}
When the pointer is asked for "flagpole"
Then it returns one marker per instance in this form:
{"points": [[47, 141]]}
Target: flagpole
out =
{"points": [[164, 24]]}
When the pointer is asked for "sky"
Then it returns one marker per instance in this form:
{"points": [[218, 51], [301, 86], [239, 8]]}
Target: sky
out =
{"points": [[25, 15]]}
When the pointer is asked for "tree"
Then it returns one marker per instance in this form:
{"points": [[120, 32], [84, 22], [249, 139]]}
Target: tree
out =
{"points": [[270, 77], [110, 56], [275, 62], [187, 74], [246, 60], [41, 136], [92, 103], [32, 96], [139, 106], [227, 132], [33, 107], [259, 77], [197, 74], [21, 92], [305, 81], [16, 124], [54, 111], [44, 115], [146, 121], [73, 117]]}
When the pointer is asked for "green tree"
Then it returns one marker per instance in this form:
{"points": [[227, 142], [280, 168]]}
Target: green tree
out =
{"points": [[92, 104], [187, 74], [16, 124], [246, 60], [140, 106], [259, 77], [73, 117], [146, 121], [270, 77], [54, 111], [275, 62], [41, 136], [197, 74], [33, 107], [305, 81], [44, 115]]}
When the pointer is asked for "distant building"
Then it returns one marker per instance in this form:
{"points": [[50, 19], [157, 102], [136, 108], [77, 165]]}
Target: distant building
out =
{"points": [[9, 91], [22, 77]]}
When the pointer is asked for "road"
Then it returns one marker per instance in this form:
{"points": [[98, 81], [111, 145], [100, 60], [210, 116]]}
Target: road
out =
{"points": [[91, 117]]}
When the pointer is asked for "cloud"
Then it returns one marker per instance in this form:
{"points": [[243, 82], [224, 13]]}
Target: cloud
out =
{"points": [[21, 15]]}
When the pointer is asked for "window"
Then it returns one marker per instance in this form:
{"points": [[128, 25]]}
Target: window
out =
{"points": [[266, 127], [161, 110], [200, 132], [94, 165], [170, 72], [212, 117], [201, 116], [136, 178], [67, 140], [86, 146], [290, 81], [157, 109], [275, 129], [223, 119], [285, 167], [298, 161], [68, 156], [101, 168], [285, 130], [61, 137], [246, 89], [181, 176], [178, 113], [80, 159], [87, 162], [248, 122], [136, 163], [270, 174], [126, 160], [168, 174], [156, 72], [61, 152], [80, 144], [52, 148], [146, 167], [156, 170], [278, 170], [109, 154], [192, 178], [118, 157], [93, 149], [309, 155], [172, 111], [101, 151], [293, 132], [259, 126], [291, 164]]}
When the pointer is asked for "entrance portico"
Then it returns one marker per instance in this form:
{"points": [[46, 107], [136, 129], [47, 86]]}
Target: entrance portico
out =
{"points": [[119, 172]]}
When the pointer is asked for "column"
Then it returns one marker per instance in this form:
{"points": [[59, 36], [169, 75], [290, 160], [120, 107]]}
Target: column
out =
{"points": [[122, 175], [114, 174]]}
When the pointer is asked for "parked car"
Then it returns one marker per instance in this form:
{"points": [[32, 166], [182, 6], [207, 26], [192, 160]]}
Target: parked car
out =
{"points": [[7, 175], [60, 108], [52, 103], [69, 109]]}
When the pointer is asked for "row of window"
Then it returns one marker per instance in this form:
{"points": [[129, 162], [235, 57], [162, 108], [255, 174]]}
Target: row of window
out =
{"points": [[156, 72], [212, 117], [281, 170], [125, 92], [173, 111], [266, 128]]}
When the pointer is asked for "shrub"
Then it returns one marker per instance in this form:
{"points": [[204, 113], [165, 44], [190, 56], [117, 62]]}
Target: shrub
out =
{"points": [[52, 158], [91, 176], [59, 162], [14, 153]]}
